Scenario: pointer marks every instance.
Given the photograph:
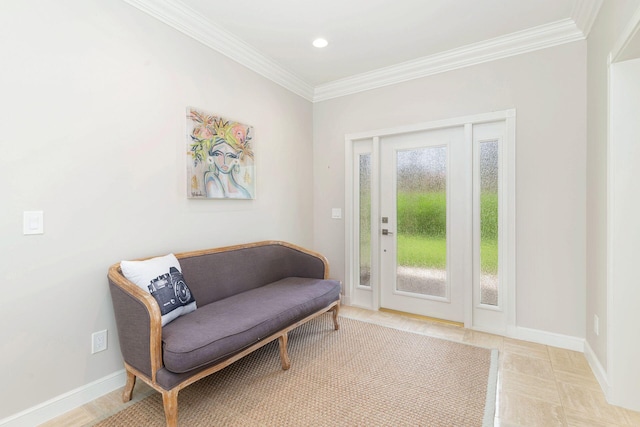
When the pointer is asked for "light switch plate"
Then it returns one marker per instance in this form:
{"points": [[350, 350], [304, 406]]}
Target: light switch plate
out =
{"points": [[33, 222], [336, 213]]}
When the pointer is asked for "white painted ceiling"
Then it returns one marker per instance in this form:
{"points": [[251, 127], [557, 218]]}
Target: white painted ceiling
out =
{"points": [[368, 36]]}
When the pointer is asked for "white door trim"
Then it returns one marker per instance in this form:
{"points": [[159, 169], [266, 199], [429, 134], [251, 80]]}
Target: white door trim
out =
{"points": [[351, 268]]}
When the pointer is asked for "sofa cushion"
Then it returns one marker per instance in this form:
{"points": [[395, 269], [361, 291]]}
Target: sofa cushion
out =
{"points": [[220, 329], [162, 278]]}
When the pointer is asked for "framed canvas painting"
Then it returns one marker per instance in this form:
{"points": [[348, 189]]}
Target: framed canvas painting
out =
{"points": [[220, 158]]}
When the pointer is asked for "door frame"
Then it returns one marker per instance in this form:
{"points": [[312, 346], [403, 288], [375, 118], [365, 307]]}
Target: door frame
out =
{"points": [[508, 224]]}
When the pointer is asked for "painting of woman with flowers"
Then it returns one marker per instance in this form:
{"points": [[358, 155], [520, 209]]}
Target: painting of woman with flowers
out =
{"points": [[220, 162]]}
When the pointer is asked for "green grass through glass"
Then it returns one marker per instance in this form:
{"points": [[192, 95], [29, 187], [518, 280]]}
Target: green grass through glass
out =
{"points": [[422, 230], [426, 252], [428, 249]]}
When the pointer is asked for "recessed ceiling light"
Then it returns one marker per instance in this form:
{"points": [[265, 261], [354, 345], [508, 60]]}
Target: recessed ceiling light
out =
{"points": [[320, 43]]}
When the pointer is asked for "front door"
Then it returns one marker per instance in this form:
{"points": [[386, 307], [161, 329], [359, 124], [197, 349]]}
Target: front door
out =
{"points": [[425, 201]]}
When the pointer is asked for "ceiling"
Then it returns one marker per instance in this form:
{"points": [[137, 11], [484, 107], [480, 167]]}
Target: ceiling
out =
{"points": [[372, 43]]}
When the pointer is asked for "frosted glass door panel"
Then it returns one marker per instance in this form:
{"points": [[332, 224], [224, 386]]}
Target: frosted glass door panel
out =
{"points": [[421, 202], [489, 223], [365, 219]]}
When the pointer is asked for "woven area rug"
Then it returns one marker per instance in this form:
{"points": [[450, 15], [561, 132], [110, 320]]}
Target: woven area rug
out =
{"points": [[361, 375]]}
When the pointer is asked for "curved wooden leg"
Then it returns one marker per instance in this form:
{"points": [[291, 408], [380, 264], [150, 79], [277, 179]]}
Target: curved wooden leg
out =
{"points": [[336, 309], [284, 355], [170, 403], [128, 387]]}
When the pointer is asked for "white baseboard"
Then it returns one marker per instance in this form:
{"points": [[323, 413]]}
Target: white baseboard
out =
{"points": [[66, 402], [598, 370], [553, 339], [547, 338]]}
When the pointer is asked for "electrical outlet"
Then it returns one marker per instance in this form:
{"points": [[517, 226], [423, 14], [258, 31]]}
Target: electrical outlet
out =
{"points": [[98, 341], [596, 325]]}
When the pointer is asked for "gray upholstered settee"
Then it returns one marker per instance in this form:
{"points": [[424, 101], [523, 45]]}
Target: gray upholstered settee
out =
{"points": [[247, 296]]}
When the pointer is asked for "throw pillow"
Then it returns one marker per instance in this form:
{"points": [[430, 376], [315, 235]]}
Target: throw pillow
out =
{"points": [[162, 278]]}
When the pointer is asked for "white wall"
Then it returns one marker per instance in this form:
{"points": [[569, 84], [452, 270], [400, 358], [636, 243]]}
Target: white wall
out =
{"points": [[92, 131], [547, 88], [624, 320], [611, 22]]}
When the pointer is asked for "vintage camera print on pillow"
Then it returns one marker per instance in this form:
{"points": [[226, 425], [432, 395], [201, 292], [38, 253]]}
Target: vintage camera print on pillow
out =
{"points": [[170, 291], [162, 278]]}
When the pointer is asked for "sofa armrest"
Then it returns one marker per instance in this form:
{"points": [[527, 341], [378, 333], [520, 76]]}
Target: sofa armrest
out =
{"points": [[139, 324]]}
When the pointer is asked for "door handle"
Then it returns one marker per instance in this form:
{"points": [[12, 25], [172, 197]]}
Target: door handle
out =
{"points": [[386, 232]]}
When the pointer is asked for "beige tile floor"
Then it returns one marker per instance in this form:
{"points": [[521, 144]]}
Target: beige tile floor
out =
{"points": [[538, 385]]}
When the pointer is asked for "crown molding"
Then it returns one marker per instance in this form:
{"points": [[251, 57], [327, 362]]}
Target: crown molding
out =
{"points": [[544, 36], [584, 14], [631, 31], [184, 19]]}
